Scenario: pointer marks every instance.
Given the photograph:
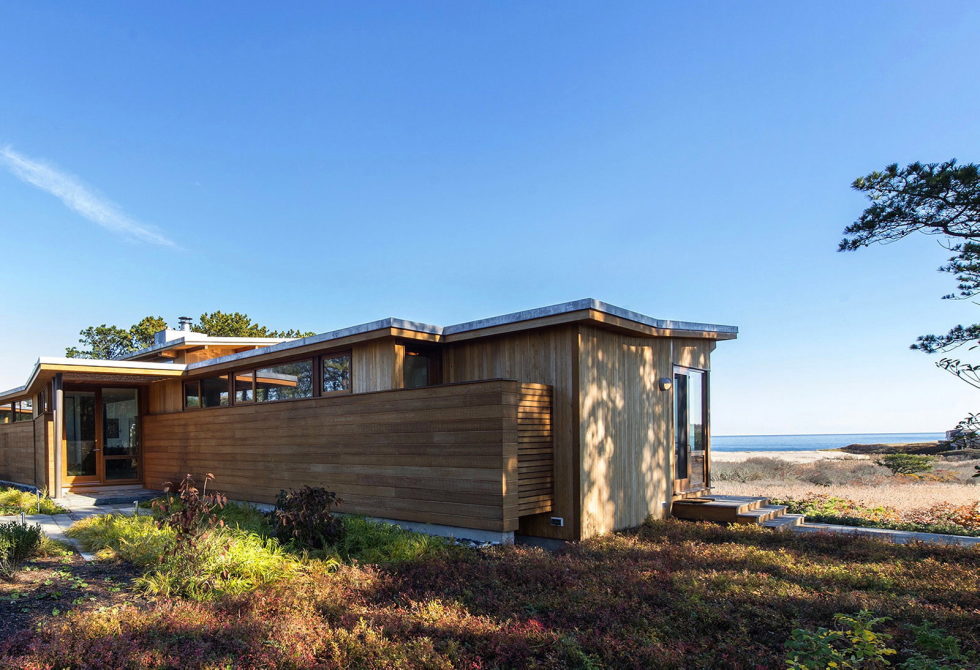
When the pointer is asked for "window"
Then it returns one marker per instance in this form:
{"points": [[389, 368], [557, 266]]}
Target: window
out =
{"points": [[421, 367], [335, 373], [690, 427], [244, 387], [24, 410], [285, 381], [6, 413], [214, 392], [192, 395]]}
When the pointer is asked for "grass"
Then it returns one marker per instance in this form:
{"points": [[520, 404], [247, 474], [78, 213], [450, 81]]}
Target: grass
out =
{"points": [[667, 595], [242, 554], [14, 501]]}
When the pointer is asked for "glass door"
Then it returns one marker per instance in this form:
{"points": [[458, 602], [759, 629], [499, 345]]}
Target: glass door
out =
{"points": [[81, 456], [690, 430], [120, 433], [101, 436]]}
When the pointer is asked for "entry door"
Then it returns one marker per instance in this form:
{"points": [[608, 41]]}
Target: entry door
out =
{"points": [[101, 436], [690, 430]]}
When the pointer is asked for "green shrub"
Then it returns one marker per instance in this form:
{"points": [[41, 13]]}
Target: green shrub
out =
{"points": [[223, 561], [17, 544], [14, 501], [852, 645], [906, 464], [303, 517]]}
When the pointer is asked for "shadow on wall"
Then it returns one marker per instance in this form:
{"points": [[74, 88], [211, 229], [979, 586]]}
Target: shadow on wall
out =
{"points": [[625, 431]]}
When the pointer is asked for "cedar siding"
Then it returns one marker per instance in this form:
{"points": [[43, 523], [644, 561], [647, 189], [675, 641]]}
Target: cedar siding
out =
{"points": [[444, 454]]}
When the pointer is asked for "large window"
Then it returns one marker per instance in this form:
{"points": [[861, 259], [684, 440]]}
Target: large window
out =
{"points": [[335, 373], [286, 381], [292, 380]]}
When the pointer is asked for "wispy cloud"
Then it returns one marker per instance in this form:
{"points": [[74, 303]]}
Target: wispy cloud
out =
{"points": [[78, 197]]}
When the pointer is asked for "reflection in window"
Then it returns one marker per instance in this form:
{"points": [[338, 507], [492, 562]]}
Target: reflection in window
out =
{"points": [[690, 428], [214, 392], [286, 381], [336, 373], [244, 387], [6, 413], [24, 410], [192, 395]]}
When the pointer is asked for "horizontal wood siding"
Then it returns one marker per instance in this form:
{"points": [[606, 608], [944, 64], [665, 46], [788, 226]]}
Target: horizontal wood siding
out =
{"points": [[445, 455], [17, 452], [535, 450]]}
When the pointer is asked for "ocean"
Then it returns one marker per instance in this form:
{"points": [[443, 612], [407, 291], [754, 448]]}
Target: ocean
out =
{"points": [[813, 442]]}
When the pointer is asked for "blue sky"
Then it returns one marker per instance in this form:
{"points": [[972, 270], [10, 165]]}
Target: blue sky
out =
{"points": [[320, 165]]}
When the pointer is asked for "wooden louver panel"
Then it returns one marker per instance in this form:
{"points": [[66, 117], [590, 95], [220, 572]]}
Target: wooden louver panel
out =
{"points": [[535, 450]]}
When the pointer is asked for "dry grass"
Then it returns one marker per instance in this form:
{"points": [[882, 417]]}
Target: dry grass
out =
{"points": [[903, 497]]}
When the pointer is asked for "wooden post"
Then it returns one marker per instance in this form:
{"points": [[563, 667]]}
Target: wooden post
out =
{"points": [[58, 401]]}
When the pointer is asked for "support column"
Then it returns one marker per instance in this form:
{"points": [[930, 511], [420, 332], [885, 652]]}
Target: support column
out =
{"points": [[58, 404]]}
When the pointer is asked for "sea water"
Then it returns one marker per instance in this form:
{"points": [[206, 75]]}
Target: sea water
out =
{"points": [[813, 442]]}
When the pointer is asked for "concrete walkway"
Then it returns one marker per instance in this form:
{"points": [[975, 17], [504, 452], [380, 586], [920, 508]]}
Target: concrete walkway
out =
{"points": [[55, 525], [888, 535]]}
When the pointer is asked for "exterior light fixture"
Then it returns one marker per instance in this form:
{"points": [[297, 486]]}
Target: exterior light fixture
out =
{"points": [[665, 383]]}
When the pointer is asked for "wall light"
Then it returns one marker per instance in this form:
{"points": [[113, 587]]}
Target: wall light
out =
{"points": [[665, 383]]}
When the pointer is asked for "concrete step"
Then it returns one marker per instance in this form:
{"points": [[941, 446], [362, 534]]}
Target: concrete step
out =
{"points": [[761, 514], [784, 522]]}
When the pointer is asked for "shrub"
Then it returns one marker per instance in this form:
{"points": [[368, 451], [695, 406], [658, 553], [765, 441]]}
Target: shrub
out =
{"points": [[14, 501], [17, 544], [906, 464], [191, 513], [303, 517]]}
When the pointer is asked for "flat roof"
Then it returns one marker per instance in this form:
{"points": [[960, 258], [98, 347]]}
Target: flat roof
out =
{"points": [[575, 310]]}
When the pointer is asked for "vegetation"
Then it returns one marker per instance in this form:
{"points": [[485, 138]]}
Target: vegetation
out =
{"points": [[107, 342], [14, 501], [304, 517], [17, 544], [941, 518], [941, 199], [641, 599], [906, 464], [855, 644]]}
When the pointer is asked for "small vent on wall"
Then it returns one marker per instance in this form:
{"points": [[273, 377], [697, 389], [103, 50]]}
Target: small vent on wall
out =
{"points": [[557, 521]]}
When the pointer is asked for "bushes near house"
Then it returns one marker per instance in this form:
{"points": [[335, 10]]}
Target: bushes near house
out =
{"points": [[304, 517], [14, 501], [940, 518]]}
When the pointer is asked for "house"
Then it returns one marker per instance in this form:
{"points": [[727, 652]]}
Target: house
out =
{"points": [[561, 422]]}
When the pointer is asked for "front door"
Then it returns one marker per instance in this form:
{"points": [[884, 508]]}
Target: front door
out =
{"points": [[690, 430], [101, 436]]}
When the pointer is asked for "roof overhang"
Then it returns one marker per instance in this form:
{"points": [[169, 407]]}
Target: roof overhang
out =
{"points": [[87, 369], [587, 311]]}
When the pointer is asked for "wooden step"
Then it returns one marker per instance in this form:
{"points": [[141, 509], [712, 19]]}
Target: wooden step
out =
{"points": [[724, 509]]}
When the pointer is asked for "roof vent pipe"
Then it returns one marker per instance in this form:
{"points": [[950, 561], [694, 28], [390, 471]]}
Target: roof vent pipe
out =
{"points": [[185, 322]]}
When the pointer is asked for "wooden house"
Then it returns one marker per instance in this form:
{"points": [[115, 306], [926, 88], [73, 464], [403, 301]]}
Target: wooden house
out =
{"points": [[561, 422]]}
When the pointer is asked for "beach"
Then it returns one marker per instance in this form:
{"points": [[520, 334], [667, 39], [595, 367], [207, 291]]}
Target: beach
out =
{"points": [[791, 456]]}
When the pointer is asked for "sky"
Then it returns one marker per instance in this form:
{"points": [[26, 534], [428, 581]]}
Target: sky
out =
{"points": [[319, 165]]}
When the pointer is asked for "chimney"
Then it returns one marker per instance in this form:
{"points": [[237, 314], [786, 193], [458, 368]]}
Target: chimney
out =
{"points": [[185, 323]]}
